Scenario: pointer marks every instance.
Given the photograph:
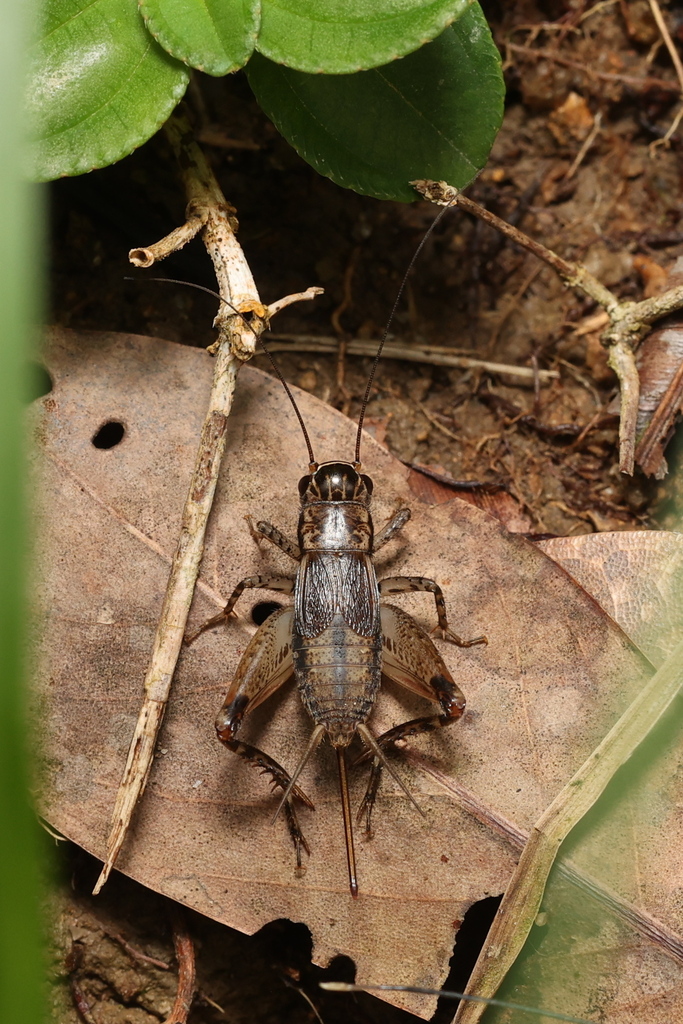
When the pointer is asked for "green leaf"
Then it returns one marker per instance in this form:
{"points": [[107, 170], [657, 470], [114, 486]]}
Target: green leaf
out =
{"points": [[216, 36], [99, 86], [343, 36], [23, 994], [434, 114]]}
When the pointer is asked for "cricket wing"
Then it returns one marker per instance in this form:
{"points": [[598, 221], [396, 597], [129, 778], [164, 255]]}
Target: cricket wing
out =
{"points": [[341, 584], [358, 599], [315, 593]]}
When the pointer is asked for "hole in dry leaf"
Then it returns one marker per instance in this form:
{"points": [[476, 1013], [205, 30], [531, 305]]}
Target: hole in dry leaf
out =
{"points": [[468, 942], [286, 945], [109, 435], [261, 611], [38, 382]]}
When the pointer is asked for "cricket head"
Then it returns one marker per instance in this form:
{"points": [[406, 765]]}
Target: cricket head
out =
{"points": [[335, 481]]}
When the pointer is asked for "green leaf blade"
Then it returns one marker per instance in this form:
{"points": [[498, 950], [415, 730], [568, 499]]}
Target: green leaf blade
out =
{"points": [[343, 36], [215, 36], [434, 114], [99, 86]]}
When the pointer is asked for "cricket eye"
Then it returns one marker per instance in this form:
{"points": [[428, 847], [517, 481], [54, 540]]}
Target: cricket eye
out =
{"points": [[303, 485], [368, 483]]}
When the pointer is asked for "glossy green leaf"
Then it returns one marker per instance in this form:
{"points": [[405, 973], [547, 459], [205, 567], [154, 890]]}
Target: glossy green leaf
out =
{"points": [[434, 114], [342, 36], [216, 36], [99, 86]]}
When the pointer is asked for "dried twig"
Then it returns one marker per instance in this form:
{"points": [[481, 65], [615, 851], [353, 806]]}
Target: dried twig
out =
{"points": [[435, 423], [437, 355], [588, 142], [678, 65], [629, 321], [238, 331], [187, 975]]}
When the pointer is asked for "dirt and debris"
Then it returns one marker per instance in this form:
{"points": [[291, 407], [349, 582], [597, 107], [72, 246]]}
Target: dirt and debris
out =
{"points": [[591, 88], [618, 210]]}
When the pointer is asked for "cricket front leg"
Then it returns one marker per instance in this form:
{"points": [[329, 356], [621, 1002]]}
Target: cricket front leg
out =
{"points": [[412, 584], [275, 536], [282, 584], [265, 665], [396, 523], [410, 659]]}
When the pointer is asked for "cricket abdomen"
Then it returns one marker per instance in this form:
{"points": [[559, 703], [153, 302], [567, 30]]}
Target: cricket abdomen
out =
{"points": [[338, 674]]}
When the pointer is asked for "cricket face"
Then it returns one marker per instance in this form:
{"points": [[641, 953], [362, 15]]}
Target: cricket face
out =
{"points": [[335, 481]]}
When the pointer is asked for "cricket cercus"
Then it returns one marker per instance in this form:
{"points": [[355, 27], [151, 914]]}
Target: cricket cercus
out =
{"points": [[338, 639]]}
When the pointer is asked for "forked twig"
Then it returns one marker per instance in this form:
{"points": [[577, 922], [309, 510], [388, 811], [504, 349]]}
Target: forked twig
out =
{"points": [[629, 322], [238, 331], [522, 899]]}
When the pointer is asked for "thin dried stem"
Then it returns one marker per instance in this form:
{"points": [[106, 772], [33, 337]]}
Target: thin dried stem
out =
{"points": [[668, 41], [678, 65], [146, 256], [588, 142], [238, 331], [187, 974], [629, 322], [416, 353]]}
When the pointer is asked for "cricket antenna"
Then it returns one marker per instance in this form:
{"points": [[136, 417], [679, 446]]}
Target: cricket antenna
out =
{"points": [[366, 397], [273, 363]]}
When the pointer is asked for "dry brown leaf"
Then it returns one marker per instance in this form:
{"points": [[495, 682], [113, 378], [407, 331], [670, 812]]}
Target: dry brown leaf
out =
{"points": [[434, 486], [636, 577], [556, 674]]}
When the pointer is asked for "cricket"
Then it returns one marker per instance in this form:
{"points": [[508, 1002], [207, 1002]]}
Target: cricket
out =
{"points": [[340, 636]]}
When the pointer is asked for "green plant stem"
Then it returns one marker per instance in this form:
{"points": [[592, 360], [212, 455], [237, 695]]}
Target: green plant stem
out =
{"points": [[522, 899], [21, 964]]}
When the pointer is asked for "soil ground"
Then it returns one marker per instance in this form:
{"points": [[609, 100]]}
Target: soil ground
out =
{"points": [[614, 205]]}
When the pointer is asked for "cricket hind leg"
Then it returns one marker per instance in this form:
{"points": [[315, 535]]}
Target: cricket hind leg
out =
{"points": [[282, 584], [410, 659], [412, 584], [265, 665]]}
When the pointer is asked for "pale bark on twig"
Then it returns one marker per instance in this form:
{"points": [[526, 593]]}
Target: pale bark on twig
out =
{"points": [[436, 355], [629, 321], [238, 331]]}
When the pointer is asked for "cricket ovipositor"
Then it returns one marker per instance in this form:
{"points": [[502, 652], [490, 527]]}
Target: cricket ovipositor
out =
{"points": [[338, 639]]}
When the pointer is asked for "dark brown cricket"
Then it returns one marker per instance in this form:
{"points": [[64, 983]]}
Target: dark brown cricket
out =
{"points": [[340, 637]]}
